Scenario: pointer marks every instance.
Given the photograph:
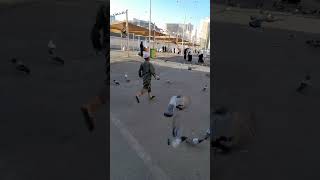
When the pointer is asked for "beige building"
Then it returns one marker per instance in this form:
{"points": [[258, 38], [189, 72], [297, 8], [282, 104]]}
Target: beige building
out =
{"points": [[204, 33]]}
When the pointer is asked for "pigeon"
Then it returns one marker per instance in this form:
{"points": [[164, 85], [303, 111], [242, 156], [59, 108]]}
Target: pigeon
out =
{"points": [[304, 84], [20, 66], [58, 59], [208, 132], [195, 141], [168, 81], [116, 82], [126, 77], [205, 88], [314, 43], [292, 36], [51, 47], [172, 104], [52, 53], [177, 141]]}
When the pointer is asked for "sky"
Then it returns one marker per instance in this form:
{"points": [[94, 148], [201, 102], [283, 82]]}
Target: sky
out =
{"points": [[163, 11]]}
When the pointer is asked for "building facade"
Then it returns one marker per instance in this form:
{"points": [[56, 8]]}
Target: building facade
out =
{"points": [[112, 19], [204, 33], [145, 24], [176, 29]]}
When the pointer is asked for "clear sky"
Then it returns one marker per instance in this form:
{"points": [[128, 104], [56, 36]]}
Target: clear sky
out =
{"points": [[163, 11]]}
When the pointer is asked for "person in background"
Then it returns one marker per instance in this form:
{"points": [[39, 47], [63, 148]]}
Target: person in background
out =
{"points": [[190, 55], [141, 49], [200, 60], [185, 53]]}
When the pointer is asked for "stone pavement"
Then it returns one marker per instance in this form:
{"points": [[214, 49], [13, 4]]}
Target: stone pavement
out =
{"points": [[259, 72]]}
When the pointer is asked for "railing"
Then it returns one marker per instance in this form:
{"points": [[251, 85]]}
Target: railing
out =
{"points": [[134, 44]]}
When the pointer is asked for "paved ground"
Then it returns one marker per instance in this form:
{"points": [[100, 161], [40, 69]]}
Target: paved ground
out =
{"points": [[145, 130], [42, 135], [259, 71], [288, 21]]}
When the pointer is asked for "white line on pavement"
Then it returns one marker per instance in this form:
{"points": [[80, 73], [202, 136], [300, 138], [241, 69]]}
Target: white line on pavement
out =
{"points": [[157, 172]]}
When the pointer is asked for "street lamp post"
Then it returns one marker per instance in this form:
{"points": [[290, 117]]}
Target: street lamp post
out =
{"points": [[127, 24], [121, 42], [154, 34], [183, 29], [150, 26], [133, 43]]}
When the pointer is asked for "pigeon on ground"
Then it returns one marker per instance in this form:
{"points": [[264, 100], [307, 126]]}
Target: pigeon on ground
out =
{"points": [[304, 84], [205, 88], [20, 66], [52, 47], [116, 82], [58, 59], [126, 77]]}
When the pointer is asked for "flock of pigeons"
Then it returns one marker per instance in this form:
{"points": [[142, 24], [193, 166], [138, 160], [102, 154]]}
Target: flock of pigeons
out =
{"points": [[178, 102], [21, 67]]}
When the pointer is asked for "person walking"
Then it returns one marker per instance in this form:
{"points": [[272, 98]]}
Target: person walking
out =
{"points": [[146, 71], [185, 53], [141, 49], [190, 55]]}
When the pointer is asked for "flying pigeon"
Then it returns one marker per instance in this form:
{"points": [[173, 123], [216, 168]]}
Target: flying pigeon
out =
{"points": [[175, 102]]}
